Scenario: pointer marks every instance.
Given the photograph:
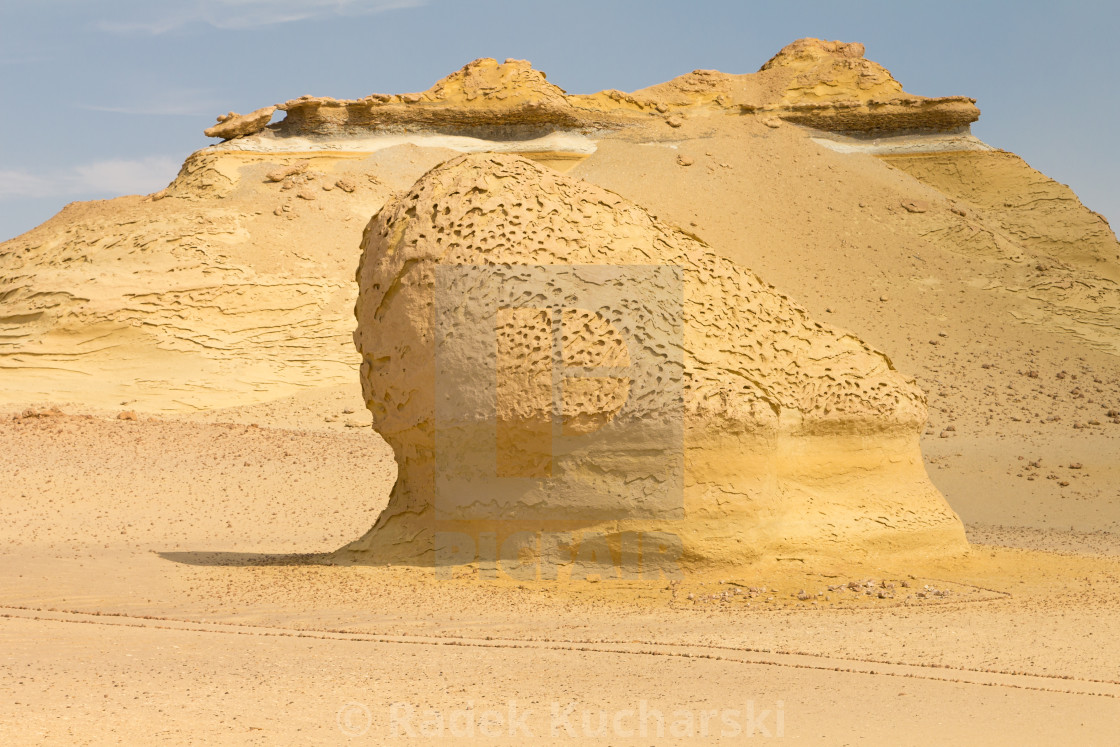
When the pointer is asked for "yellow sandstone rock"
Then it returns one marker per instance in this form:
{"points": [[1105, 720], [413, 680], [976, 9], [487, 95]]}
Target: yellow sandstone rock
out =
{"points": [[795, 439]]}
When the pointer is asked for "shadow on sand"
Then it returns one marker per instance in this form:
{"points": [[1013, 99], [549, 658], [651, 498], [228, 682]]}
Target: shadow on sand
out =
{"points": [[249, 558]]}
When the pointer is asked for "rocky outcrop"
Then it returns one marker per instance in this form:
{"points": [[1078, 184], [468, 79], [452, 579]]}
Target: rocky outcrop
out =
{"points": [[483, 93], [793, 438], [830, 86], [233, 125], [878, 116], [825, 85]]}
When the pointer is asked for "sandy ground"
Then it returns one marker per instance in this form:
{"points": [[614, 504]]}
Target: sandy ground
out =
{"points": [[156, 586]]}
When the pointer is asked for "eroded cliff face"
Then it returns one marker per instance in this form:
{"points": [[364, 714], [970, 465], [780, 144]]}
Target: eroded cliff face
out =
{"points": [[795, 438]]}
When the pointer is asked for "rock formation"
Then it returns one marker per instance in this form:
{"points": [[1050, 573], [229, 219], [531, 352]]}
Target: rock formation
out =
{"points": [[482, 93], [225, 289], [238, 125], [830, 86], [235, 284], [826, 85], [798, 440]]}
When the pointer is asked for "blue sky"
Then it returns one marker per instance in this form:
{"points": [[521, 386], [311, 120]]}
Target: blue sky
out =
{"points": [[106, 97]]}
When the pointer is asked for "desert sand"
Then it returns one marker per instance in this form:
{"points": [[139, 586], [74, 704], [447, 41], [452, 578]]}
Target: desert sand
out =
{"points": [[188, 447]]}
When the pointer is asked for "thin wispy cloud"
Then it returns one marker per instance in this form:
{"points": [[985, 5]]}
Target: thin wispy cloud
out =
{"points": [[107, 178], [143, 18], [180, 103]]}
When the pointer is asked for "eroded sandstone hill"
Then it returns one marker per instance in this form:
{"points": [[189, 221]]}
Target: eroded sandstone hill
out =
{"points": [[875, 208], [234, 284], [795, 438]]}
